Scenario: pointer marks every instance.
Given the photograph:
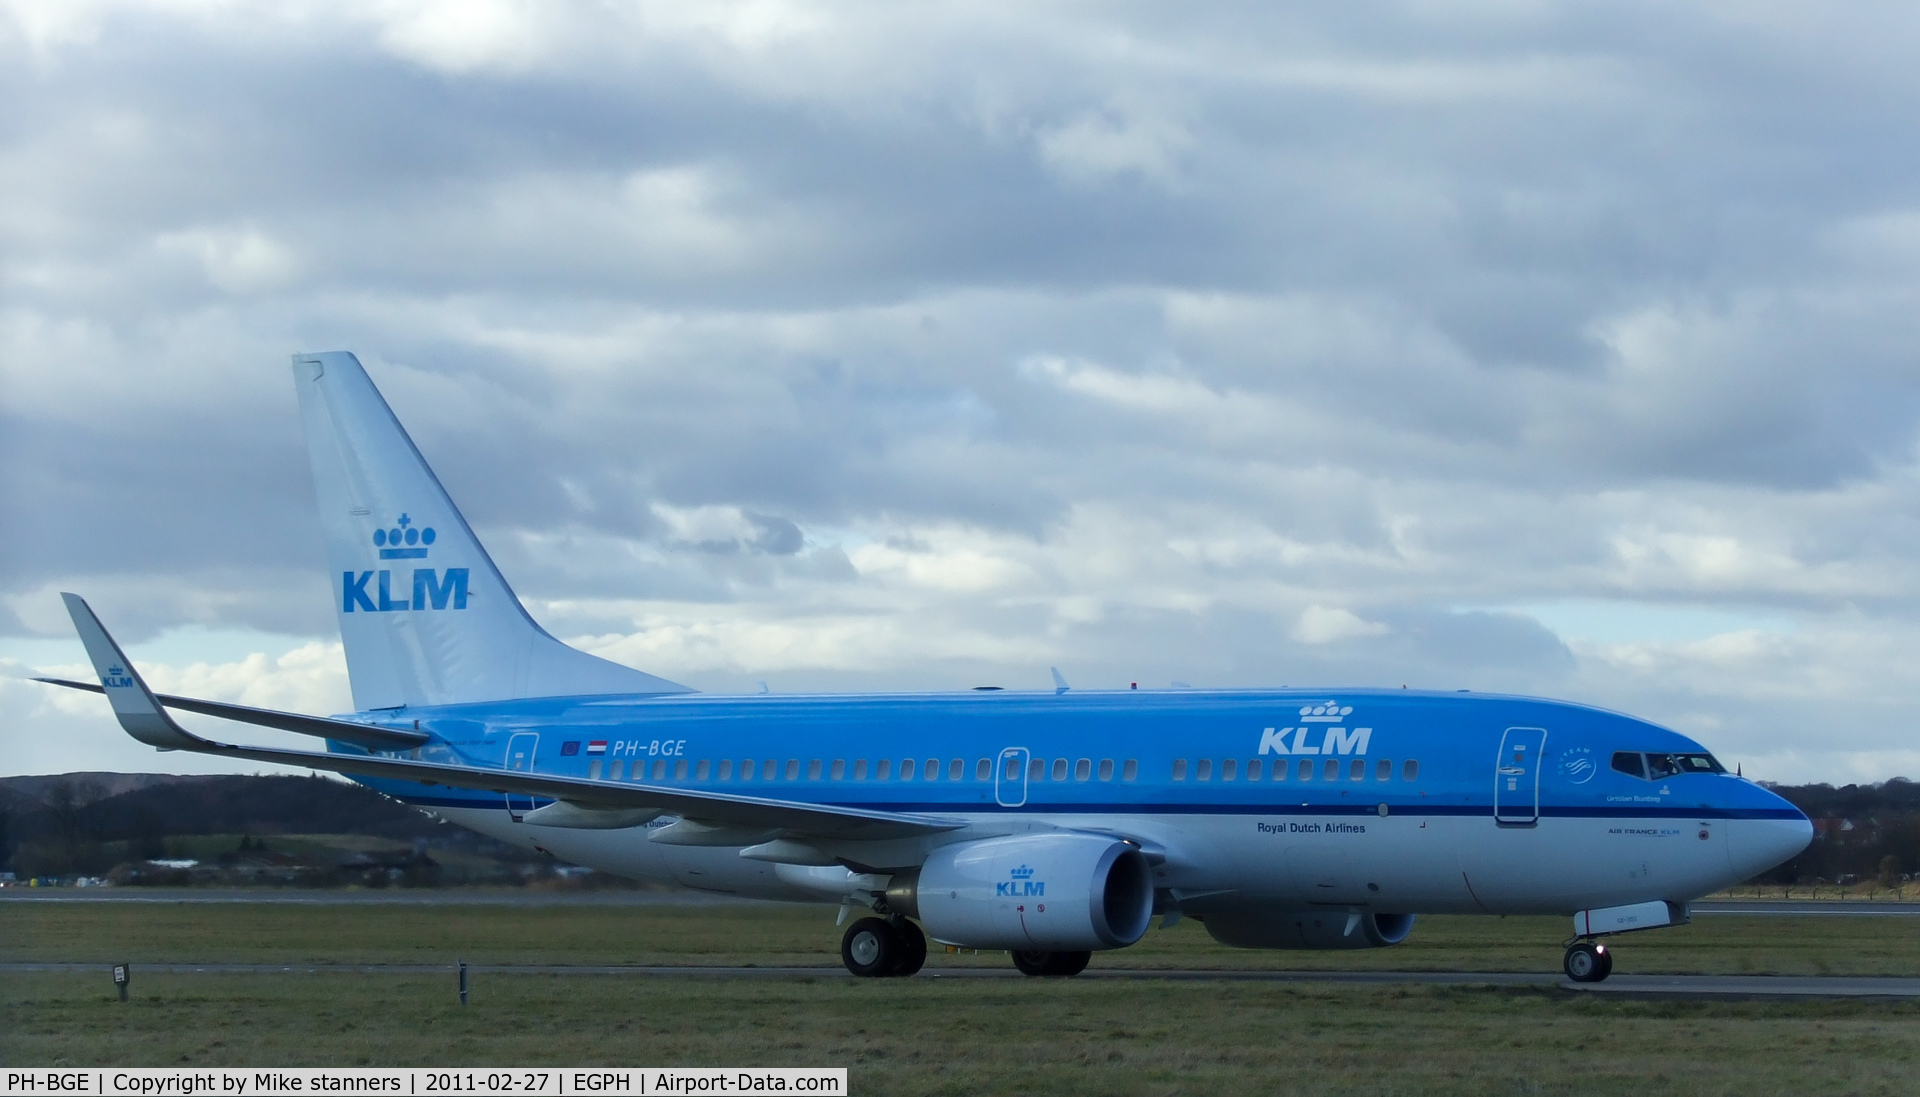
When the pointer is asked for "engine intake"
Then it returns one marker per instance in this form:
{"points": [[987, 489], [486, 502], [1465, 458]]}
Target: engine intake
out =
{"points": [[1055, 892], [1308, 929]]}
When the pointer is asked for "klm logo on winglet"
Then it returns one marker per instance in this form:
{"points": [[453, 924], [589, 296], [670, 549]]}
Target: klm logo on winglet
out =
{"points": [[431, 588], [1020, 886], [1335, 737], [117, 678]]}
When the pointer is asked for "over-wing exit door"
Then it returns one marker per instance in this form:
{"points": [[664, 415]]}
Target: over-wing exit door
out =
{"points": [[1516, 777]]}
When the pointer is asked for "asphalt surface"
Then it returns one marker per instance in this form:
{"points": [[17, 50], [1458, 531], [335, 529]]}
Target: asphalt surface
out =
{"points": [[1628, 986]]}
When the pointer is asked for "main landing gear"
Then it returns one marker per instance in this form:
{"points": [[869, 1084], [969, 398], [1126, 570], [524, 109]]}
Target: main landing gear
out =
{"points": [[1054, 964], [876, 948], [1588, 962]]}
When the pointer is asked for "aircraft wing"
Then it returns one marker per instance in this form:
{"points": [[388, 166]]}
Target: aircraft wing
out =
{"points": [[366, 735], [143, 716]]}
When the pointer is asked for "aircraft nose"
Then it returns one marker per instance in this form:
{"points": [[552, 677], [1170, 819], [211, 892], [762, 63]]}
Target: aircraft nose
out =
{"points": [[1756, 845]]}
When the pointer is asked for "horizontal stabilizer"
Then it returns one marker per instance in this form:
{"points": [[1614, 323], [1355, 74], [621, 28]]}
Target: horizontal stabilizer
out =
{"points": [[373, 738]]}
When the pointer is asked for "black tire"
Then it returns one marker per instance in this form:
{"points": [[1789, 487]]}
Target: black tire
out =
{"points": [[1606, 964], [1069, 964], [1587, 962], [870, 949], [1033, 963], [913, 948]]}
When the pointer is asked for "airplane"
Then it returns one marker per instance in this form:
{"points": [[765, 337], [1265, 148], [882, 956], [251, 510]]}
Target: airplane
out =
{"points": [[1049, 824]]}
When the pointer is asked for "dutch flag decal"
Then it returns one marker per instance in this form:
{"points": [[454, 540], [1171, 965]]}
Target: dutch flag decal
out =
{"points": [[597, 746]]}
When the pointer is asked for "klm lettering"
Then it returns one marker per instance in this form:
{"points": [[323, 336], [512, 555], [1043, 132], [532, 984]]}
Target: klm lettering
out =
{"points": [[1016, 889], [1336, 740], [431, 590]]}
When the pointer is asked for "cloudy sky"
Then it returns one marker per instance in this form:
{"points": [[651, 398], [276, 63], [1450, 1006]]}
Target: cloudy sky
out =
{"points": [[1567, 349]]}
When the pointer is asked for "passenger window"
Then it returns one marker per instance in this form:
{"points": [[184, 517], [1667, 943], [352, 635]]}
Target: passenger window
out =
{"points": [[614, 770], [860, 770], [906, 769], [680, 770], [793, 769], [1630, 763], [981, 771], [1253, 769], [660, 770], [1410, 770], [1082, 769], [1306, 769], [593, 770], [746, 770], [1037, 770], [1383, 771], [1332, 770], [726, 769], [839, 768], [1279, 770], [703, 770], [1059, 769], [813, 770], [1179, 769], [1131, 770], [1106, 769], [1205, 767], [1357, 770], [1661, 765], [1228, 769]]}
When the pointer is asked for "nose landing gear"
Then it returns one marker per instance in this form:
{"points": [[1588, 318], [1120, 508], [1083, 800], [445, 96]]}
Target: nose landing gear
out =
{"points": [[1588, 962]]}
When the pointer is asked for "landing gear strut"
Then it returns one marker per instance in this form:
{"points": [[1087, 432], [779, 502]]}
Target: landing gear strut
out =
{"points": [[1588, 962], [1055, 964], [875, 948]]}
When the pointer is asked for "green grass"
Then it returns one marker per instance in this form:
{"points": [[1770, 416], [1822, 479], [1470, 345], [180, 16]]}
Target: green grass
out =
{"points": [[1025, 1036], [946, 1036], [769, 935]]}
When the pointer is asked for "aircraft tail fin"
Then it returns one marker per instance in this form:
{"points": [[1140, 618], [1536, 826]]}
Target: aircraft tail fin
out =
{"points": [[426, 617]]}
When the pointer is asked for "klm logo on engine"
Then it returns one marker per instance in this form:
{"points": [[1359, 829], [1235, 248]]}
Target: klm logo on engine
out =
{"points": [[1322, 730], [430, 588], [1020, 885]]}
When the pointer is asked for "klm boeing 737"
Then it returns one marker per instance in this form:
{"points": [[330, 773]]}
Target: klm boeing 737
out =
{"points": [[1052, 824]]}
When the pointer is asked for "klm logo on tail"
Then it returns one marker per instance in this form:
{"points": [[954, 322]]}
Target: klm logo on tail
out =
{"points": [[431, 589]]}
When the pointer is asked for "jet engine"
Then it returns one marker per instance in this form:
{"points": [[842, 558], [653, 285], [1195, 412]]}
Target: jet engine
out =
{"points": [[1033, 892], [1308, 929]]}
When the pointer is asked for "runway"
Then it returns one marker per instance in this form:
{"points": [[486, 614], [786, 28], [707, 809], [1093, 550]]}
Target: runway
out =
{"points": [[1724, 987]]}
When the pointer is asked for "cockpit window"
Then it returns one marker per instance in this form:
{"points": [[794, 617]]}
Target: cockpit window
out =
{"points": [[1655, 767]]}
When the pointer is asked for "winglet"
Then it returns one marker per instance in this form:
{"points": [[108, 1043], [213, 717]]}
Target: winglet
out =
{"points": [[133, 703], [1059, 684]]}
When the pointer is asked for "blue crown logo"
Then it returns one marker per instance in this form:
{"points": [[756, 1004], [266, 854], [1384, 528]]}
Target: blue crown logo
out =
{"points": [[403, 541], [1021, 873]]}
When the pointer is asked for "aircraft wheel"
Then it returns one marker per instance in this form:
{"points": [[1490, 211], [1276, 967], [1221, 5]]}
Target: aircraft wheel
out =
{"points": [[1588, 962], [1070, 963], [1033, 963], [870, 949], [913, 948]]}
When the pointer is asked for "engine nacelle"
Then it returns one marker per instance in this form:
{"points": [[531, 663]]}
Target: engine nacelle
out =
{"points": [[1308, 929], [1040, 892]]}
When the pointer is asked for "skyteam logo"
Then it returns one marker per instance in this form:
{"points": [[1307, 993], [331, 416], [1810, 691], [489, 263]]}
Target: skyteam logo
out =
{"points": [[1020, 884], [431, 589], [1322, 730], [1577, 765]]}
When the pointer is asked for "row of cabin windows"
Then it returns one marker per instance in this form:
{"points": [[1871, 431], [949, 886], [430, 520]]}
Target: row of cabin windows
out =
{"points": [[883, 770], [1330, 769]]}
